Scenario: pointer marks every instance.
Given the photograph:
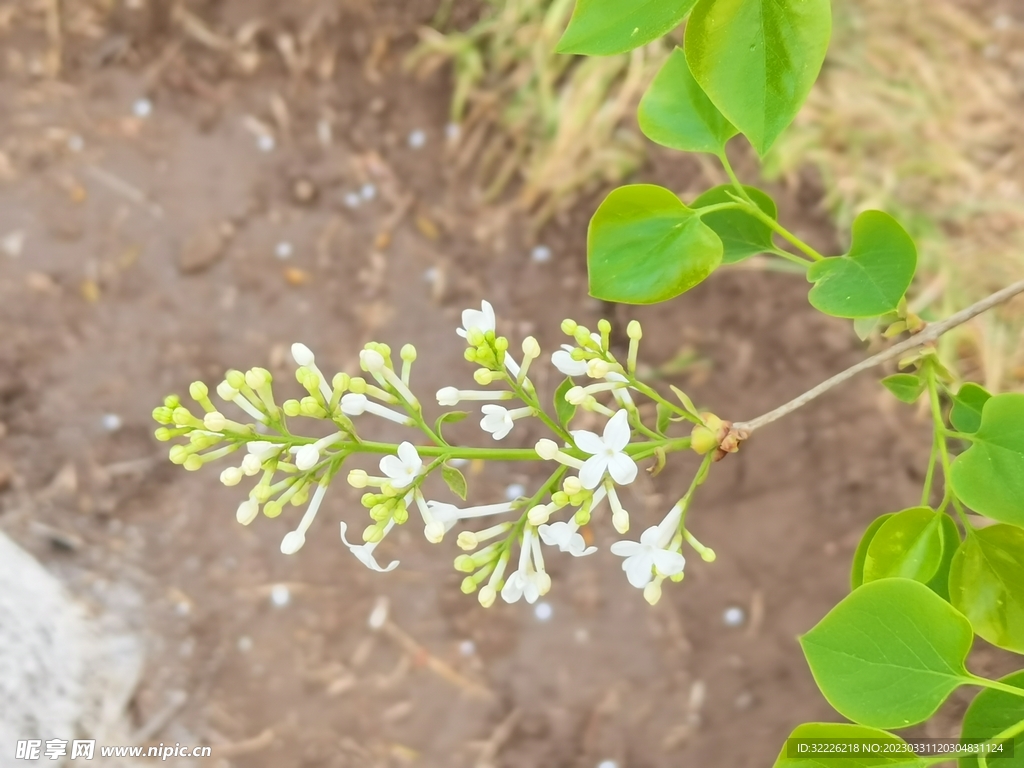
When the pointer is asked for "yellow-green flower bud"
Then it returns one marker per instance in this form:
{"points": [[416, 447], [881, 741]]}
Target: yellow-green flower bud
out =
{"points": [[408, 353], [357, 385], [483, 376], [703, 440], [400, 515], [198, 391], [569, 327], [272, 508], [634, 331], [172, 402], [235, 379], [468, 586], [465, 564], [163, 415], [193, 463], [292, 408]]}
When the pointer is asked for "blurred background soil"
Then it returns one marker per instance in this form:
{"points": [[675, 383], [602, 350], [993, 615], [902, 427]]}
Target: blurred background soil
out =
{"points": [[190, 187]]}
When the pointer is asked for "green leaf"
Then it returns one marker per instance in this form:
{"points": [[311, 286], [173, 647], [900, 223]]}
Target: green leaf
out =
{"points": [[872, 278], [605, 27], [791, 757], [939, 583], [564, 409], [865, 326], [757, 59], [889, 654], [742, 235], [991, 713], [664, 418], [967, 405], [450, 417], [986, 584], [989, 476], [456, 481], [908, 545], [857, 570], [905, 386], [645, 246], [676, 113]]}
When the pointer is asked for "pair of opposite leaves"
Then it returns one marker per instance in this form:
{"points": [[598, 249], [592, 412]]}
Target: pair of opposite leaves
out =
{"points": [[646, 246]]}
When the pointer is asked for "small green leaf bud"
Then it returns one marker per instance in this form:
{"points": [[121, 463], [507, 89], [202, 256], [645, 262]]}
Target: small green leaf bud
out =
{"points": [[465, 564], [703, 440], [569, 327]]}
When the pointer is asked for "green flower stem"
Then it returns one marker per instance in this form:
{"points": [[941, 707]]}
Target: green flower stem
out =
{"points": [[698, 480], [642, 388], [929, 477], [940, 442]]}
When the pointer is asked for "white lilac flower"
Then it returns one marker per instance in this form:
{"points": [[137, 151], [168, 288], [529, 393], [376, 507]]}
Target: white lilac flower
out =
{"points": [[293, 541], [482, 320], [651, 554], [373, 362], [620, 517], [451, 396], [364, 552], [529, 580], [308, 456], [356, 405], [403, 468], [562, 360], [565, 536], [606, 453], [620, 393], [448, 514], [548, 450], [499, 420]]}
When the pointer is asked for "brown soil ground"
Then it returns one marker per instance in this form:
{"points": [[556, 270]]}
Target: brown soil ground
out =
{"points": [[149, 258]]}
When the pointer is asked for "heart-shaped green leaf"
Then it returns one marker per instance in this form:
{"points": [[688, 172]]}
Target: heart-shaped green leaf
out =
{"points": [[889, 654], [989, 476], [800, 751], [563, 408], [456, 481], [645, 246], [870, 279], [857, 570], [967, 405], [742, 235], [986, 584], [939, 583], [991, 713], [605, 27], [908, 545], [676, 113], [905, 386], [757, 59]]}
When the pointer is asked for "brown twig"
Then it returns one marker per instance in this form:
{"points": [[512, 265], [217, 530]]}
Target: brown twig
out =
{"points": [[927, 336]]}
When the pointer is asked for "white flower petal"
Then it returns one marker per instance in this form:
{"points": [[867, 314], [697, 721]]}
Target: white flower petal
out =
{"points": [[592, 471], [649, 538], [625, 548], [668, 563], [364, 553], [410, 458], [622, 468], [513, 589], [617, 432], [562, 360], [638, 570], [588, 442], [392, 467]]}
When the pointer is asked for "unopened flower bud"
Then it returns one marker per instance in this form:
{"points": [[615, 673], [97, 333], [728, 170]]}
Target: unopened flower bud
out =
{"points": [[172, 402], [247, 511], [481, 376], [373, 534], [465, 564], [434, 531], [302, 355], [215, 421], [235, 379], [372, 361], [620, 521], [231, 476], [576, 395], [531, 347], [634, 331], [307, 457], [193, 463], [487, 595], [597, 368], [291, 408], [538, 516], [703, 440], [272, 509], [572, 485], [546, 449], [251, 465], [226, 392], [198, 391], [569, 327], [357, 478], [257, 377], [467, 540], [292, 543], [652, 592], [408, 353], [468, 585]]}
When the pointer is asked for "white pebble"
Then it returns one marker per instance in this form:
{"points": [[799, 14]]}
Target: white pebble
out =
{"points": [[142, 108], [541, 254], [543, 611], [734, 616], [417, 139], [280, 595], [514, 491], [352, 199], [266, 142], [607, 764], [76, 143], [368, 191], [245, 643], [467, 647], [283, 250], [111, 422]]}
